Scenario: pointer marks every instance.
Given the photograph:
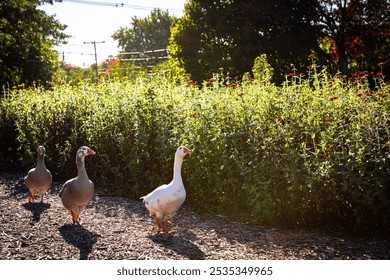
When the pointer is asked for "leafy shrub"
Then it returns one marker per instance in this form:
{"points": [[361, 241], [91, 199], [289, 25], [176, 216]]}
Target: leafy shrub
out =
{"points": [[262, 70], [314, 151]]}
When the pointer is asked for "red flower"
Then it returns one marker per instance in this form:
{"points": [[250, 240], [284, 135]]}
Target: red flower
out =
{"points": [[244, 138], [325, 155], [383, 95], [334, 97], [192, 83], [330, 119], [380, 63], [369, 93], [331, 146], [312, 55], [240, 94]]}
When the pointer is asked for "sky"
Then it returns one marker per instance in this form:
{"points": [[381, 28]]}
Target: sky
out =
{"points": [[96, 20]]}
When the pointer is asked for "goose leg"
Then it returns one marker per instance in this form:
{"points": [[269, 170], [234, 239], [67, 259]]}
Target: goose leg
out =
{"points": [[42, 198], [75, 218], [165, 227], [159, 227]]}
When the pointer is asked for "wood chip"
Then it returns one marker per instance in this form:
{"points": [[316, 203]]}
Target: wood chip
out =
{"points": [[116, 228]]}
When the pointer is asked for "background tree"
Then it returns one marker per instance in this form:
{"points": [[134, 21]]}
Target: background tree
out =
{"points": [[27, 37], [231, 34], [359, 31], [150, 33]]}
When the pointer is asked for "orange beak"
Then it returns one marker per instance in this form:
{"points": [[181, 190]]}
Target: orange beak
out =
{"points": [[90, 152], [186, 150]]}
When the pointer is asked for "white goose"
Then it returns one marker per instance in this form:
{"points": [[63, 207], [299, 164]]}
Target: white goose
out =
{"points": [[38, 179], [165, 201], [77, 192]]}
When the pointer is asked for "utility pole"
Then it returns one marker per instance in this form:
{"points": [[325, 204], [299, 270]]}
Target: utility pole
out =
{"points": [[63, 60], [94, 46]]}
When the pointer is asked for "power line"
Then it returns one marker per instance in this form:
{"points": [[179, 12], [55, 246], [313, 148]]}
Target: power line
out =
{"points": [[121, 5], [73, 52]]}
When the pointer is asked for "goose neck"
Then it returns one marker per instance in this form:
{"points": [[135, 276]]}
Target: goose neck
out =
{"points": [[41, 160], [177, 168], [81, 167]]}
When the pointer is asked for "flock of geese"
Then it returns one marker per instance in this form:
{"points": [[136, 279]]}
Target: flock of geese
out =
{"points": [[162, 203]]}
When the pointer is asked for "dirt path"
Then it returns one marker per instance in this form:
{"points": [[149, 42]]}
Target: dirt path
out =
{"points": [[118, 228]]}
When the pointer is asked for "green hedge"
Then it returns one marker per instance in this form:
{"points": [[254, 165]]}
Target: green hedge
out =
{"points": [[312, 152]]}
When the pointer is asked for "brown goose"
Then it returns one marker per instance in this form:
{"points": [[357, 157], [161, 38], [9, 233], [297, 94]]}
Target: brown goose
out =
{"points": [[165, 201], [38, 179], [77, 192]]}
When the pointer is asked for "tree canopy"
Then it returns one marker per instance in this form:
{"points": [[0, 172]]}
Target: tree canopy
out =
{"points": [[230, 34], [27, 37], [359, 31], [149, 33]]}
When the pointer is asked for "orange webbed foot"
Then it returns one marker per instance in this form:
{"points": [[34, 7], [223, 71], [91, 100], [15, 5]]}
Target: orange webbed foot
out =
{"points": [[75, 218]]}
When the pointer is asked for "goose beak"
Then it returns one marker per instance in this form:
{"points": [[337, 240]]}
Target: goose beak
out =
{"points": [[187, 151], [90, 152]]}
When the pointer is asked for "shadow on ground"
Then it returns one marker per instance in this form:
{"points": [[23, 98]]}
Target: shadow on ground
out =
{"points": [[36, 209], [179, 244], [80, 237]]}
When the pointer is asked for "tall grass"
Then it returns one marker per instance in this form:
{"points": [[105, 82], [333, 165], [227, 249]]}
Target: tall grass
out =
{"points": [[315, 151]]}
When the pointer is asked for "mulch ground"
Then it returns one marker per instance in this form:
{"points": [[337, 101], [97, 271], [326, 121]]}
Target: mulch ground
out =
{"points": [[115, 228]]}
